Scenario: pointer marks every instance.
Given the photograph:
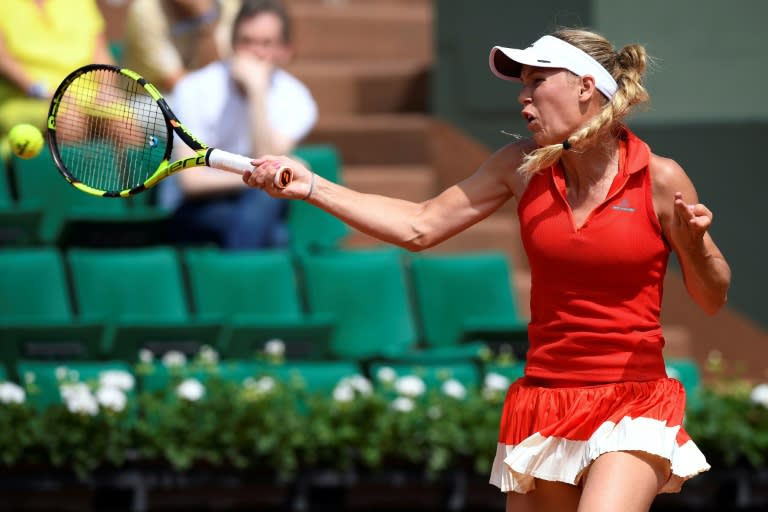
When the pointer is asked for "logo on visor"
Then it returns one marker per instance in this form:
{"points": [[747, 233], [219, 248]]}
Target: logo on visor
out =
{"points": [[542, 60]]}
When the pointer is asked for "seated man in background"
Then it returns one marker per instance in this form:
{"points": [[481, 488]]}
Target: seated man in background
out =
{"points": [[245, 104], [165, 40], [41, 42]]}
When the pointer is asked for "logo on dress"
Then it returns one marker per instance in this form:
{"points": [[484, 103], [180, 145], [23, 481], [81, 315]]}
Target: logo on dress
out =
{"points": [[623, 206]]}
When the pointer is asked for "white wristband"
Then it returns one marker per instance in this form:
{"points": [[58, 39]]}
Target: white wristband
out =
{"points": [[311, 188]]}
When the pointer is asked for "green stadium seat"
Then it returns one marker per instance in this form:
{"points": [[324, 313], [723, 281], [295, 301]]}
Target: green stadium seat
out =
{"points": [[311, 228], [37, 320], [140, 294], [117, 49], [71, 217], [19, 226], [464, 300], [256, 295], [366, 294], [41, 186], [687, 371]]}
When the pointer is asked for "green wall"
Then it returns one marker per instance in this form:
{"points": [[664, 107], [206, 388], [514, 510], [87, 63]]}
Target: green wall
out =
{"points": [[708, 110]]}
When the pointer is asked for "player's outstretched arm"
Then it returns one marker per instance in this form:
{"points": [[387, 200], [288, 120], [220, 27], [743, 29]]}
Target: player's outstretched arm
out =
{"points": [[411, 225]]}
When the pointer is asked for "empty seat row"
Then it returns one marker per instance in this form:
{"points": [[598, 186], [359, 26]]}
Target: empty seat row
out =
{"points": [[357, 305]]}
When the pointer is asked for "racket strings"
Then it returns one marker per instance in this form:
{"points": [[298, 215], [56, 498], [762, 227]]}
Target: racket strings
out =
{"points": [[110, 133]]}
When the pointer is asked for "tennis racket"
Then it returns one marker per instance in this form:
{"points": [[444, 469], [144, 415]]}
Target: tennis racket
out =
{"points": [[111, 134]]}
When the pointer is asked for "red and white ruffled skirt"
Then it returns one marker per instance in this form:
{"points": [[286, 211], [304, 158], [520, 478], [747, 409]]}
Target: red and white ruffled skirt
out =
{"points": [[556, 433]]}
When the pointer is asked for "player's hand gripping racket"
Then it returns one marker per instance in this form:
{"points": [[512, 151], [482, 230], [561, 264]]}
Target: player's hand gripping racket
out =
{"points": [[111, 134]]}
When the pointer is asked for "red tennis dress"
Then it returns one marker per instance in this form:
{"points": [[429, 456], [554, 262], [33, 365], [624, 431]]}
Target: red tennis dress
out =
{"points": [[595, 379]]}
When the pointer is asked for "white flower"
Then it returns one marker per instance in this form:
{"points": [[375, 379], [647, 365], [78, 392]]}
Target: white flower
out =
{"points": [[257, 389], [208, 354], [111, 398], [343, 392], [174, 358], [274, 348], [146, 356], [79, 399], [386, 374], [434, 412], [403, 404], [61, 373], [759, 394], [71, 389], [119, 379], [357, 383], [496, 382], [263, 385], [410, 386], [454, 389], [11, 393], [190, 389]]}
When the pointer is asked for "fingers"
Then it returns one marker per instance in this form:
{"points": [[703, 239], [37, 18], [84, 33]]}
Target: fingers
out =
{"points": [[683, 211], [277, 176], [692, 214], [699, 210]]}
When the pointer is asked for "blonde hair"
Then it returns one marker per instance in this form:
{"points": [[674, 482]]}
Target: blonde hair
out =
{"points": [[626, 66]]}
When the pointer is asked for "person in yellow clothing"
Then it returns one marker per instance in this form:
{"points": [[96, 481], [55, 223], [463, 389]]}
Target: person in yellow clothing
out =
{"points": [[41, 42], [165, 40]]}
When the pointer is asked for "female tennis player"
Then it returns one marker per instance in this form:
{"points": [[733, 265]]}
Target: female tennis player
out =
{"points": [[595, 423]]}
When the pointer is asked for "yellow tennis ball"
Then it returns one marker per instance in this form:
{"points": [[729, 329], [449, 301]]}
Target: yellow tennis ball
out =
{"points": [[26, 140]]}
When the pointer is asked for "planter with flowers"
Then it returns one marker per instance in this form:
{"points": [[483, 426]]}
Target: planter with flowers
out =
{"points": [[205, 413], [245, 415]]}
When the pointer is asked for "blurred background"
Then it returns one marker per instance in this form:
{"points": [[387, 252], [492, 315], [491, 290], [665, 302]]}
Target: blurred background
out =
{"points": [[407, 106]]}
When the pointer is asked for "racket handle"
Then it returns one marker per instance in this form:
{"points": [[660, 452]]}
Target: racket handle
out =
{"points": [[226, 161], [231, 162]]}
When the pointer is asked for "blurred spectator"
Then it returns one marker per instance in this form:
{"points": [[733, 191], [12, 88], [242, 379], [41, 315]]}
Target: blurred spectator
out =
{"points": [[166, 39], [41, 42], [245, 104]]}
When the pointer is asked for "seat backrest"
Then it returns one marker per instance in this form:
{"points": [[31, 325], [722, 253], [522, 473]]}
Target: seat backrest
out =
{"points": [[365, 291], [451, 288], [33, 286], [227, 283], [33, 293], [40, 185], [143, 284], [6, 198]]}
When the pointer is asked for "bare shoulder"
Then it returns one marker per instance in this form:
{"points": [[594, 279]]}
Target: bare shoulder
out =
{"points": [[666, 174], [513, 153], [505, 162], [667, 179]]}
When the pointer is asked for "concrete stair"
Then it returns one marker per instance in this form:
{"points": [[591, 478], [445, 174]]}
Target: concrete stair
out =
{"points": [[381, 139], [355, 86], [362, 30]]}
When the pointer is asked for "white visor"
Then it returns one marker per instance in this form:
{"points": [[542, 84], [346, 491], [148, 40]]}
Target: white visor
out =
{"points": [[550, 52]]}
